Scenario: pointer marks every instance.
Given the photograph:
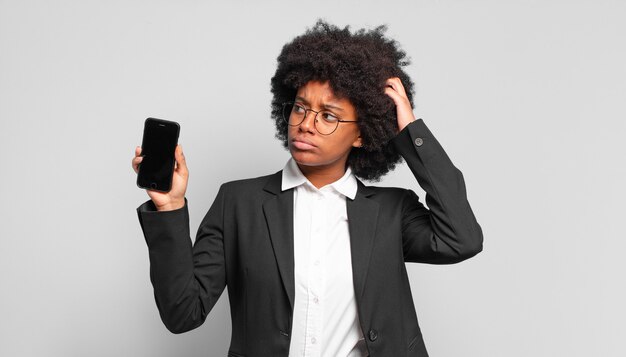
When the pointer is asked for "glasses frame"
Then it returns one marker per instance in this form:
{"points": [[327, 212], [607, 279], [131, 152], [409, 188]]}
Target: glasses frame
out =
{"points": [[306, 112]]}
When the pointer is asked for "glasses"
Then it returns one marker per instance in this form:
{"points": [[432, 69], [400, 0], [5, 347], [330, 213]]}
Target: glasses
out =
{"points": [[294, 114]]}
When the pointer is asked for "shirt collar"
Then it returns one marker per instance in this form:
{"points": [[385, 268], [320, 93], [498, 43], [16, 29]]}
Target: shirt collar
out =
{"points": [[292, 177]]}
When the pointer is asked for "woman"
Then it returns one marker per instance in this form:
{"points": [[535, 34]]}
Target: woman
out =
{"points": [[314, 259]]}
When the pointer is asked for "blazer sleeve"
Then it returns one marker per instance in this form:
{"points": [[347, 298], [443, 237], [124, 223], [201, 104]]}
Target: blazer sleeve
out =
{"points": [[187, 280], [447, 232]]}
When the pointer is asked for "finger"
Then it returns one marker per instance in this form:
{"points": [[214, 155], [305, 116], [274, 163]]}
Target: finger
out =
{"points": [[396, 84], [138, 151], [393, 94], [389, 83], [181, 163], [135, 163], [402, 103]]}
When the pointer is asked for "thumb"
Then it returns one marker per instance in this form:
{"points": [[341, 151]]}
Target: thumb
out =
{"points": [[181, 163]]}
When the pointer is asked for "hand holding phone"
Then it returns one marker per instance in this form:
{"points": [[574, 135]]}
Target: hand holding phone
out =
{"points": [[160, 165]]}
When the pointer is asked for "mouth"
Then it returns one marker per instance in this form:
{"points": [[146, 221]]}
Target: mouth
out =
{"points": [[303, 144]]}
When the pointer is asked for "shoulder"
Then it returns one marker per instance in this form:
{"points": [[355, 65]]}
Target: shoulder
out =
{"points": [[391, 199], [250, 186], [383, 193]]}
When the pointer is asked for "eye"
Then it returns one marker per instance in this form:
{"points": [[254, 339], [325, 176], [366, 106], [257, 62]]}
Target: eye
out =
{"points": [[298, 108], [329, 117]]}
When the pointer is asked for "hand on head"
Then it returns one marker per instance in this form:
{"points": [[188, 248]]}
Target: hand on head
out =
{"points": [[404, 111]]}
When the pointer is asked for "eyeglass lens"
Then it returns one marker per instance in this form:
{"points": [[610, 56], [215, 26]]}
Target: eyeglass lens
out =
{"points": [[324, 122]]}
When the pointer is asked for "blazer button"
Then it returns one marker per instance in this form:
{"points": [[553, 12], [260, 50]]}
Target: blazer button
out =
{"points": [[419, 141], [373, 334]]}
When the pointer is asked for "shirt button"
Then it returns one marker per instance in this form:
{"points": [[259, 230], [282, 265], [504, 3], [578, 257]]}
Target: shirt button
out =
{"points": [[313, 340], [317, 262], [373, 335], [419, 141], [316, 300]]}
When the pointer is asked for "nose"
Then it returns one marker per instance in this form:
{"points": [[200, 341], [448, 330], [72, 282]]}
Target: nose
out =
{"points": [[308, 124]]}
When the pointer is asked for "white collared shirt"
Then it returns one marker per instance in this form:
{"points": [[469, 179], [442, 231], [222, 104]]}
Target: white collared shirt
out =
{"points": [[325, 319]]}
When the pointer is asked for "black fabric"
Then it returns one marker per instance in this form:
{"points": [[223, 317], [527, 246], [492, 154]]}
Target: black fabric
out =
{"points": [[245, 241]]}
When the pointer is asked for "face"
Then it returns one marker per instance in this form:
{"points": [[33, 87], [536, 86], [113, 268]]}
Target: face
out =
{"points": [[310, 148]]}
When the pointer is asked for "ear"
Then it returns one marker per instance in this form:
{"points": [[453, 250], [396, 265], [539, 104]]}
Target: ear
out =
{"points": [[358, 142]]}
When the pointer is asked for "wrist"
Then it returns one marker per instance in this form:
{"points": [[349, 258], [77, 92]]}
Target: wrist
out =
{"points": [[402, 125], [174, 205]]}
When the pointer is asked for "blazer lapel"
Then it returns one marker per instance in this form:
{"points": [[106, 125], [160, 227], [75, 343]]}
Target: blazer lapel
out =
{"points": [[362, 221], [278, 212]]}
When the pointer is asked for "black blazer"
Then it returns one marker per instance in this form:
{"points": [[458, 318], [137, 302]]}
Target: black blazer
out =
{"points": [[245, 241]]}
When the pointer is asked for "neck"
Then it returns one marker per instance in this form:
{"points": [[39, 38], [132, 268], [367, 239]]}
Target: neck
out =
{"points": [[321, 176]]}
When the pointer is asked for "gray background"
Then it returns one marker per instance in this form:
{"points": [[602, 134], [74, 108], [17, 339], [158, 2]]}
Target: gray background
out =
{"points": [[527, 98]]}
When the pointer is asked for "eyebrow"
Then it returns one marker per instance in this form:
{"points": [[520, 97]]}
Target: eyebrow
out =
{"points": [[328, 106]]}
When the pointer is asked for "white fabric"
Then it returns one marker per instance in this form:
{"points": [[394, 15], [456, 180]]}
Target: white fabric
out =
{"points": [[325, 320]]}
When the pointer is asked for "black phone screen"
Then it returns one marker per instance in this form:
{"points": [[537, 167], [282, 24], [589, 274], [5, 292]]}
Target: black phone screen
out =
{"points": [[158, 145]]}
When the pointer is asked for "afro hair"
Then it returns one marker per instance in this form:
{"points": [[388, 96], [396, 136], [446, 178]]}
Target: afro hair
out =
{"points": [[357, 66]]}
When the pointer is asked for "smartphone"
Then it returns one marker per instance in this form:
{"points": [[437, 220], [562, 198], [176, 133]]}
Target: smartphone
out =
{"points": [[156, 170]]}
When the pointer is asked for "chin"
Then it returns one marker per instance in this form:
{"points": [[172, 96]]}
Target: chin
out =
{"points": [[305, 158]]}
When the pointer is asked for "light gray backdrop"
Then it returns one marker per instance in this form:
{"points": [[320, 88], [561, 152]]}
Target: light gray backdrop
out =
{"points": [[527, 98]]}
